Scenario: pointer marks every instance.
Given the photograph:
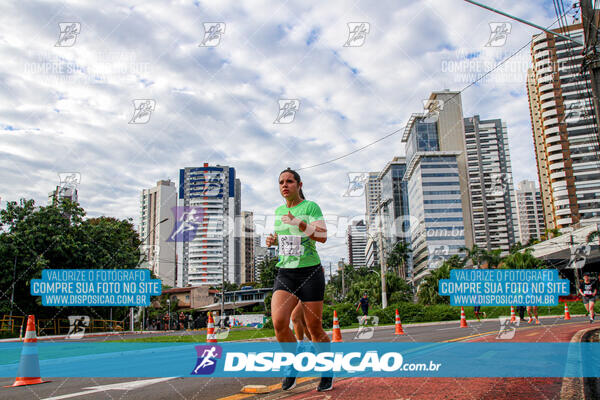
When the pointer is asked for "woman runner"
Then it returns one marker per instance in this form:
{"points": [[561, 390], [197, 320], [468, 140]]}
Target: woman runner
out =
{"points": [[300, 278]]}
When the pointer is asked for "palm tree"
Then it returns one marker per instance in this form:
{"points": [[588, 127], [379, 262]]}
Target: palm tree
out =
{"points": [[475, 254], [593, 235], [524, 260], [428, 290], [398, 258], [493, 258]]}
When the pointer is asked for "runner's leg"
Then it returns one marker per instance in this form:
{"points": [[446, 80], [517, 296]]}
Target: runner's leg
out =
{"points": [[282, 305]]}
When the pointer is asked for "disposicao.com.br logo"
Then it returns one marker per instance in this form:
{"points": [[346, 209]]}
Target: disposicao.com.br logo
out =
{"points": [[274, 363]]}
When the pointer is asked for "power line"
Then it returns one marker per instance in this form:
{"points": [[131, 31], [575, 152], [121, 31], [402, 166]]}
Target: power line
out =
{"points": [[459, 92]]}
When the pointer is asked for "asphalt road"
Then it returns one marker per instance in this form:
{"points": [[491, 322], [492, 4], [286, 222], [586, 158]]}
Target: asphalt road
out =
{"points": [[216, 388]]}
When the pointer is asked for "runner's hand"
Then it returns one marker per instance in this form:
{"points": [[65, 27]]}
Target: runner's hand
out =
{"points": [[272, 240], [290, 219]]}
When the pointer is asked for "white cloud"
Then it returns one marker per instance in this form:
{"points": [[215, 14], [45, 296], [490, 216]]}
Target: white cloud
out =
{"points": [[218, 104]]}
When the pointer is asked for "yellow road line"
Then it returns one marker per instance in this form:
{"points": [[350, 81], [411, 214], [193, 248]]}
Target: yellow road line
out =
{"points": [[272, 388]]}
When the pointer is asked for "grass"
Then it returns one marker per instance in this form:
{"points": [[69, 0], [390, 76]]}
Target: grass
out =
{"points": [[233, 335]]}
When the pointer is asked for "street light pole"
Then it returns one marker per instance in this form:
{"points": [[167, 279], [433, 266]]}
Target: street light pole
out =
{"points": [[131, 327]]}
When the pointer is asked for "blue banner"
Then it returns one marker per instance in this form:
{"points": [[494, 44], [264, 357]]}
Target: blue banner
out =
{"points": [[95, 287], [373, 359], [503, 287]]}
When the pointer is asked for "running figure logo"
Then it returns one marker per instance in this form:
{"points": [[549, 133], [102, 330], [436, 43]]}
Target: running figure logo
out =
{"points": [[357, 34], [142, 111], [212, 34], [68, 34], [287, 111], [356, 184], [207, 359], [69, 179], [366, 327], [507, 328], [499, 34], [188, 220], [77, 325]]}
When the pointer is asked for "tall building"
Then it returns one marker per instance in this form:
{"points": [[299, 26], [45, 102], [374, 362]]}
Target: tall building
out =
{"points": [[393, 206], [211, 251], [440, 204], [493, 203], [158, 205], [372, 196], [565, 131], [63, 192], [356, 239], [530, 211], [248, 266]]}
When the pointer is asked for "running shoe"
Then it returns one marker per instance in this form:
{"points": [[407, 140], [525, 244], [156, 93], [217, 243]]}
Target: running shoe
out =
{"points": [[529, 320], [591, 320], [289, 382], [325, 384], [537, 321]]}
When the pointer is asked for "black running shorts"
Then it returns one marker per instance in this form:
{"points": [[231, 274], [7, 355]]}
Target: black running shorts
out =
{"points": [[587, 299], [306, 283]]}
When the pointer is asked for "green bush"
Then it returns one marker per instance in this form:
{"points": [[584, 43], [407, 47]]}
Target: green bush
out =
{"points": [[268, 324]]}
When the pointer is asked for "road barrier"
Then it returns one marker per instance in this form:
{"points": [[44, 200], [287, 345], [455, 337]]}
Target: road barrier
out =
{"points": [[336, 335], [463, 319], [399, 330], [29, 365]]}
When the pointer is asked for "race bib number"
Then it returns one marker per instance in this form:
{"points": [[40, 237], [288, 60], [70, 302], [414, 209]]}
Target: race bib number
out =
{"points": [[290, 245]]}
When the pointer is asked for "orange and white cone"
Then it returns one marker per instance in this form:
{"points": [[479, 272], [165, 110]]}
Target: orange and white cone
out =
{"points": [[336, 335], [399, 330], [29, 366], [211, 337], [513, 317], [567, 314], [463, 319]]}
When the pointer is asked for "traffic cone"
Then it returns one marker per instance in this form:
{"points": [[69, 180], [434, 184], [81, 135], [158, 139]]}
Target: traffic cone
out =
{"points": [[29, 366], [567, 314], [513, 317], [399, 330], [211, 337], [463, 319], [336, 335]]}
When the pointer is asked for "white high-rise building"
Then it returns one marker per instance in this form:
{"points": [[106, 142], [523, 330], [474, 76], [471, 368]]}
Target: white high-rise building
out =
{"points": [[372, 198], [248, 273], [493, 202], [565, 130], [356, 239], [439, 200], [530, 211], [209, 230], [156, 224]]}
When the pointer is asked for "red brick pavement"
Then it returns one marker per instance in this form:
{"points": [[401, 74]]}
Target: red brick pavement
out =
{"points": [[456, 388]]}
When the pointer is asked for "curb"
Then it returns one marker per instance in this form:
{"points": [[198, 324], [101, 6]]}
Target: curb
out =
{"points": [[573, 388]]}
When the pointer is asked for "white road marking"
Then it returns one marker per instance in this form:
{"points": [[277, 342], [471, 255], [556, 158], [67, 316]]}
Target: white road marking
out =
{"points": [[132, 385]]}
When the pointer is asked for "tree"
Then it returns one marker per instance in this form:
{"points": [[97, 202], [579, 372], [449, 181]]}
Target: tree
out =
{"points": [[474, 254], [492, 258], [398, 257], [268, 271], [58, 236], [523, 260], [428, 290]]}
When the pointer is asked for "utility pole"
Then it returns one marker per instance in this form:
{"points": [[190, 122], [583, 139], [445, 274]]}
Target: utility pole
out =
{"points": [[591, 58], [341, 266]]}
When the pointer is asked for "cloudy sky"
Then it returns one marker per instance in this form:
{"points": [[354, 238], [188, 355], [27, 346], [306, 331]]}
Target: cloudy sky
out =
{"points": [[66, 102]]}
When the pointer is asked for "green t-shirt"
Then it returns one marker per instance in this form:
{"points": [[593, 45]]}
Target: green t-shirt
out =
{"points": [[296, 250]]}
